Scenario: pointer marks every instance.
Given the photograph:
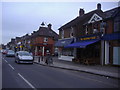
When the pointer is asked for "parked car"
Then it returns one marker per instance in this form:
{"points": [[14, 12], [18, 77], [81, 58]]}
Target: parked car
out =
{"points": [[23, 57], [4, 51], [10, 53]]}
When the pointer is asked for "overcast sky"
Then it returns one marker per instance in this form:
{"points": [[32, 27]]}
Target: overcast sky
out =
{"points": [[20, 18]]}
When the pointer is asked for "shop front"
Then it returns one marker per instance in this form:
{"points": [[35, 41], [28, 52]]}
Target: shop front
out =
{"points": [[65, 53], [112, 48], [88, 49], [41, 49]]}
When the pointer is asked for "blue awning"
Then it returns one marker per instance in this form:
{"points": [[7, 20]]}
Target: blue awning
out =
{"points": [[82, 44], [63, 42], [114, 36]]}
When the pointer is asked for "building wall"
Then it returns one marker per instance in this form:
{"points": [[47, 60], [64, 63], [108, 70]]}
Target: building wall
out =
{"points": [[109, 27]]}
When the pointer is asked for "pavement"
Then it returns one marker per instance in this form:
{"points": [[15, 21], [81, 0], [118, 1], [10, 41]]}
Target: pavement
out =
{"points": [[106, 70]]}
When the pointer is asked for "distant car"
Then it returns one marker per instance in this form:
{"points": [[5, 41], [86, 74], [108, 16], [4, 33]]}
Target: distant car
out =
{"points": [[4, 51], [23, 57], [10, 53]]}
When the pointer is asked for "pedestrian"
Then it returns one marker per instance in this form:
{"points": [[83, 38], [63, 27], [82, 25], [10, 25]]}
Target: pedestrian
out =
{"points": [[48, 58]]}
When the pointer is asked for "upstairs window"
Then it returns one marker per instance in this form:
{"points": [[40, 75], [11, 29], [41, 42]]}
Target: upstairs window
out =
{"points": [[117, 24], [62, 34], [71, 32], [86, 30], [45, 39], [95, 27]]}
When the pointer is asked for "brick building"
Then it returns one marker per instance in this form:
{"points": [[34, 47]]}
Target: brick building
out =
{"points": [[83, 38], [43, 40]]}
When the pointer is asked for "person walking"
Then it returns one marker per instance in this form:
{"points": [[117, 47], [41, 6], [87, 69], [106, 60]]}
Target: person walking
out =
{"points": [[48, 58]]}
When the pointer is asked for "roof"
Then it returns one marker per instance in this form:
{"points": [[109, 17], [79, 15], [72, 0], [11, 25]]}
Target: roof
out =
{"points": [[112, 12], [83, 19], [86, 17], [45, 31]]}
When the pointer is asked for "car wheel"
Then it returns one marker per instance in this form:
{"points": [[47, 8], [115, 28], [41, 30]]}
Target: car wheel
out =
{"points": [[18, 62], [15, 61]]}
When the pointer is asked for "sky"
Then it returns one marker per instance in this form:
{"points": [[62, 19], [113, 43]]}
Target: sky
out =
{"points": [[20, 18]]}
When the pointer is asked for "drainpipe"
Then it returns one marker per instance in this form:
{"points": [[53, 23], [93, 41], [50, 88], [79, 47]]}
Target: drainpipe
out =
{"points": [[102, 52], [43, 51]]}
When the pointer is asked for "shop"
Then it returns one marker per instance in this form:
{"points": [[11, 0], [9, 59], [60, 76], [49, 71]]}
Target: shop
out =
{"points": [[65, 53], [112, 48], [88, 49], [40, 49]]}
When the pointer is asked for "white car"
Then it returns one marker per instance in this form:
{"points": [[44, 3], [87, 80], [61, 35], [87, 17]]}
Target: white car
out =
{"points": [[23, 57], [10, 53]]}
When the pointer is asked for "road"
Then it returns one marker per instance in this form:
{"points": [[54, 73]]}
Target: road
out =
{"points": [[37, 76]]}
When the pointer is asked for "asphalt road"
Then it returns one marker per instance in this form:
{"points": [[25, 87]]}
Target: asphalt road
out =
{"points": [[38, 76]]}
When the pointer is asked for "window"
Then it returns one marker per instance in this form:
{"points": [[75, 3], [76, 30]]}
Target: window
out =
{"points": [[45, 39], [62, 34], [71, 32], [95, 31], [86, 30], [117, 24]]}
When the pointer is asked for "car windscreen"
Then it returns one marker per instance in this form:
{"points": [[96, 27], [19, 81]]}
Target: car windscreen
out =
{"points": [[10, 51], [24, 54]]}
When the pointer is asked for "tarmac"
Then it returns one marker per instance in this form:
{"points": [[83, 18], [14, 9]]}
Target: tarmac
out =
{"points": [[106, 70]]}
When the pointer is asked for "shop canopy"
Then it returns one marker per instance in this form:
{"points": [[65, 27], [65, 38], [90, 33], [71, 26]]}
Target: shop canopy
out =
{"points": [[82, 44], [113, 36], [63, 42]]}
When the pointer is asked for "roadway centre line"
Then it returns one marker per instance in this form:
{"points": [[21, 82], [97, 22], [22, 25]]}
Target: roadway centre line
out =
{"points": [[27, 81], [11, 66], [6, 61]]}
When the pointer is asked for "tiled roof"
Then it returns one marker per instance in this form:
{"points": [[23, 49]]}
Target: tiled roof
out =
{"points": [[86, 17], [45, 31], [83, 19], [112, 12]]}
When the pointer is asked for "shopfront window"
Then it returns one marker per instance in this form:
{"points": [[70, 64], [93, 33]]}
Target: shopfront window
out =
{"points": [[67, 52]]}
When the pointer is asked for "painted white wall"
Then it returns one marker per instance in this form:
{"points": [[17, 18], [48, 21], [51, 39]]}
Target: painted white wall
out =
{"points": [[116, 55], [102, 52], [106, 52], [66, 58]]}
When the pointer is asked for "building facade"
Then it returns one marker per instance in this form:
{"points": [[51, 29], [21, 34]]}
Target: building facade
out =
{"points": [[90, 33], [43, 40]]}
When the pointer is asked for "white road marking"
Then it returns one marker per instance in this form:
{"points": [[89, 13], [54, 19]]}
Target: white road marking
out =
{"points": [[27, 82], [11, 66], [6, 61]]}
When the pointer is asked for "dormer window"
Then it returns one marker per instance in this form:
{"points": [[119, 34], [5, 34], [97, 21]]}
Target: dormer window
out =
{"points": [[95, 18]]}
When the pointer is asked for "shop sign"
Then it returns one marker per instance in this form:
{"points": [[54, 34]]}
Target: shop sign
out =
{"points": [[44, 43], [89, 38], [21, 46]]}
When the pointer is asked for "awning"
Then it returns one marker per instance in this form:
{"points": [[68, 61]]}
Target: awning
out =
{"points": [[63, 42], [82, 44], [114, 36]]}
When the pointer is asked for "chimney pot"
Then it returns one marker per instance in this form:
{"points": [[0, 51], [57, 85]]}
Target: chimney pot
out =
{"points": [[99, 6], [49, 26], [81, 12]]}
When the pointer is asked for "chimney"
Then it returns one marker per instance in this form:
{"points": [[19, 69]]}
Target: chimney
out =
{"points": [[81, 12], [98, 6], [49, 26], [42, 24], [34, 31]]}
